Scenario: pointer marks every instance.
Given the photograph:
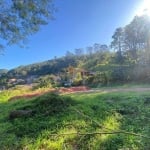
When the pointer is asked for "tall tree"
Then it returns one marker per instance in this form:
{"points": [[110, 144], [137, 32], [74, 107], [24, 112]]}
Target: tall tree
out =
{"points": [[21, 18], [69, 54], [96, 47], [89, 50], [132, 37], [118, 43], [104, 48], [137, 35], [79, 52]]}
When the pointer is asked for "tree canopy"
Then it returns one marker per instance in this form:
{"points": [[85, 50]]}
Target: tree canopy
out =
{"points": [[133, 38], [21, 18]]}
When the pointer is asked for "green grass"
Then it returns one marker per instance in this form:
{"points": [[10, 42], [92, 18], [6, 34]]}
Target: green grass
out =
{"points": [[122, 85], [53, 114]]}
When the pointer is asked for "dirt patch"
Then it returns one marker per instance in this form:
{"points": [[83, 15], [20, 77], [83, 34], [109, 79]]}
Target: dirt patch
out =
{"points": [[74, 89], [83, 89], [131, 89], [31, 95], [58, 91]]}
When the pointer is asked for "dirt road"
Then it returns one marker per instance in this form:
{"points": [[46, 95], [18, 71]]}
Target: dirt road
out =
{"points": [[129, 89]]}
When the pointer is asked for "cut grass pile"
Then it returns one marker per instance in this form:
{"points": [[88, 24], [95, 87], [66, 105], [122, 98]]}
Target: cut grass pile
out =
{"points": [[76, 121]]}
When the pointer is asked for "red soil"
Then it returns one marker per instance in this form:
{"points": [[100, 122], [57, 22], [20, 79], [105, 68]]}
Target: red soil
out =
{"points": [[30, 95], [73, 89], [60, 91]]}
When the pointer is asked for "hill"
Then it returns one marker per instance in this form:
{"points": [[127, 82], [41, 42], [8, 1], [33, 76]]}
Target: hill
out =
{"points": [[127, 59], [97, 68], [3, 71]]}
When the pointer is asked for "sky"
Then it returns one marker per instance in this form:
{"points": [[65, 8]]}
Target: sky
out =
{"points": [[77, 24]]}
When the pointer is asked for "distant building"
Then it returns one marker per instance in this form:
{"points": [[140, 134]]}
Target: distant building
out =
{"points": [[20, 81], [2, 88], [11, 81], [31, 79]]}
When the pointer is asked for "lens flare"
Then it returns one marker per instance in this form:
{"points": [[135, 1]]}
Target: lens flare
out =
{"points": [[144, 8]]}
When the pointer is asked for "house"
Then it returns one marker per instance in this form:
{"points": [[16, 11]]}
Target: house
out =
{"points": [[31, 79], [20, 81], [12, 80]]}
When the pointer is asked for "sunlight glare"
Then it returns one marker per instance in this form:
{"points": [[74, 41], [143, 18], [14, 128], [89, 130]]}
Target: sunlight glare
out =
{"points": [[144, 8]]}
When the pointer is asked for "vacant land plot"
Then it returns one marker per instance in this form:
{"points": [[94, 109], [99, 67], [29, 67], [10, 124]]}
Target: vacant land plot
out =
{"points": [[107, 119]]}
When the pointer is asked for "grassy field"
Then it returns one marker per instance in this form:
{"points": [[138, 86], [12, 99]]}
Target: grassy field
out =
{"points": [[82, 121]]}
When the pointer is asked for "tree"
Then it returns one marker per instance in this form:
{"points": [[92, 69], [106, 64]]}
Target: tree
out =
{"points": [[21, 18], [79, 51], [118, 43], [137, 35], [96, 47], [89, 50], [104, 48], [3, 81], [69, 54]]}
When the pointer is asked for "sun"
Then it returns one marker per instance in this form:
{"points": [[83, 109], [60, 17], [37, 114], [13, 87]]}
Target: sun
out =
{"points": [[144, 8]]}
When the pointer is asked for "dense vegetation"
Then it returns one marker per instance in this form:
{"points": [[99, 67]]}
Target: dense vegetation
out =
{"points": [[93, 121], [20, 19]]}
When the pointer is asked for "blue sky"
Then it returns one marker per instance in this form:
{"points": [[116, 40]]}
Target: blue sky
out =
{"points": [[77, 24]]}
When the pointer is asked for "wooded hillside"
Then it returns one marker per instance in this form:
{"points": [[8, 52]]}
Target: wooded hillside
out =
{"points": [[127, 59]]}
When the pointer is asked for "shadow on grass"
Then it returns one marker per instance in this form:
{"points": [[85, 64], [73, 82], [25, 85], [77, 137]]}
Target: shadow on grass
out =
{"points": [[53, 114], [49, 113]]}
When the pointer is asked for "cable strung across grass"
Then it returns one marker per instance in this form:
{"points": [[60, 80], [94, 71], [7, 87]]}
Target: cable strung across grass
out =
{"points": [[93, 133], [115, 132]]}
